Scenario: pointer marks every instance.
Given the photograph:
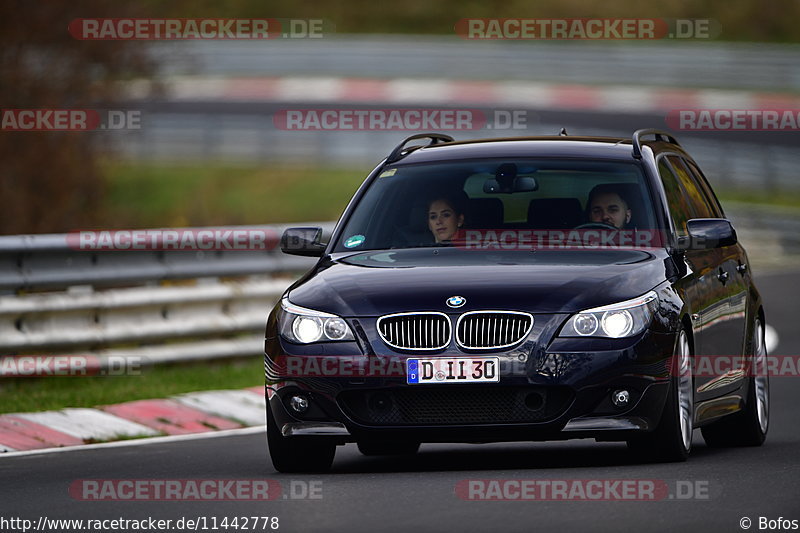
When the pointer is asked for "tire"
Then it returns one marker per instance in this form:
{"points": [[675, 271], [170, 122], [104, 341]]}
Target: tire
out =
{"points": [[298, 454], [671, 441], [371, 448], [749, 426]]}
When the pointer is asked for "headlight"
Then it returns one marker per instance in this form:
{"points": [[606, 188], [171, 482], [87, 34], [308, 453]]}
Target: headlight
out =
{"points": [[305, 326], [623, 319]]}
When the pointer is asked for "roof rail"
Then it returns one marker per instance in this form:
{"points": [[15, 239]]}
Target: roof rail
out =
{"points": [[401, 151], [660, 136]]}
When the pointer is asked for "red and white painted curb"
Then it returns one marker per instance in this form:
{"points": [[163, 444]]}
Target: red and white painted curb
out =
{"points": [[196, 412], [408, 91], [216, 412]]}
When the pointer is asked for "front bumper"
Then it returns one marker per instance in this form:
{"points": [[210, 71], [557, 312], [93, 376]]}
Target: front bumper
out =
{"points": [[560, 390]]}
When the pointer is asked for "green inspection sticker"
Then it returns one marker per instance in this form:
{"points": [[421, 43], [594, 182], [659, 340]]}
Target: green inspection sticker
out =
{"points": [[355, 240]]}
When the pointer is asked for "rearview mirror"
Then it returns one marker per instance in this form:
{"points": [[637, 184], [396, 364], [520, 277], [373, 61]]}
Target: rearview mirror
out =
{"points": [[507, 180], [709, 233], [303, 241], [520, 184]]}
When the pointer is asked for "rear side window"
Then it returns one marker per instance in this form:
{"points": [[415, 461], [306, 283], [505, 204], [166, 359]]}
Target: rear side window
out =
{"points": [[696, 196], [679, 207], [716, 209]]}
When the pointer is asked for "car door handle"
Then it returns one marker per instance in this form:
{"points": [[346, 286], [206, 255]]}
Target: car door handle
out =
{"points": [[722, 276], [742, 268]]}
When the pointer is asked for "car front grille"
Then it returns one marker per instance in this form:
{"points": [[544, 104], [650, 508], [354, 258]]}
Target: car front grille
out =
{"points": [[415, 331], [442, 405], [492, 329]]}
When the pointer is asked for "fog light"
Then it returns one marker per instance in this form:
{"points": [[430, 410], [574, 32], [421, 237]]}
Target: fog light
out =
{"points": [[620, 398], [298, 403], [534, 401], [380, 403]]}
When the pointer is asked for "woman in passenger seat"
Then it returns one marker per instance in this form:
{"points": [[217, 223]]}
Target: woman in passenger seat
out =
{"points": [[445, 218]]}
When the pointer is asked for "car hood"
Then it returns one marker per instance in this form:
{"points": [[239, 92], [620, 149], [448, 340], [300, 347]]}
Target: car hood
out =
{"points": [[395, 281]]}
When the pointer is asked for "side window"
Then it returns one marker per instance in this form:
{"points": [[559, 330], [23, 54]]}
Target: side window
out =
{"points": [[716, 209], [679, 208], [696, 196]]}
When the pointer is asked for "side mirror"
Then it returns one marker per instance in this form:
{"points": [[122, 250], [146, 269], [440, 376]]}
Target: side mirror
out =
{"points": [[708, 233], [303, 241]]}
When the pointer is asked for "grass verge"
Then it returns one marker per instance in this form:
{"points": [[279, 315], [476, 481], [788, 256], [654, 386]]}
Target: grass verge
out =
{"points": [[150, 195], [44, 394]]}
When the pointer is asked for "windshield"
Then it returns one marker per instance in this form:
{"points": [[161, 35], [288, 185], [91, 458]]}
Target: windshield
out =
{"points": [[494, 203]]}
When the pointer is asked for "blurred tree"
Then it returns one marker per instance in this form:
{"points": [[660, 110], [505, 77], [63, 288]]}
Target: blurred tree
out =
{"points": [[740, 20], [49, 181]]}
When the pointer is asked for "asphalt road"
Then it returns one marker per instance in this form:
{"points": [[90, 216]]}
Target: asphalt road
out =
{"points": [[417, 494]]}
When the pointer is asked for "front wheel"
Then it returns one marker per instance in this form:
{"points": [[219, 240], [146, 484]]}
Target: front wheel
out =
{"points": [[749, 426], [297, 454], [672, 439]]}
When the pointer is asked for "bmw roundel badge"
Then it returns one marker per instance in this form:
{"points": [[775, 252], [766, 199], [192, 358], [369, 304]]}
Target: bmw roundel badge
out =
{"points": [[456, 301]]}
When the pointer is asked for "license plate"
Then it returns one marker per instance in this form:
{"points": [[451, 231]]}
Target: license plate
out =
{"points": [[453, 370]]}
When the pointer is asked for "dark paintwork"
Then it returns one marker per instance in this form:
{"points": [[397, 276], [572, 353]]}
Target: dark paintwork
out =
{"points": [[551, 285]]}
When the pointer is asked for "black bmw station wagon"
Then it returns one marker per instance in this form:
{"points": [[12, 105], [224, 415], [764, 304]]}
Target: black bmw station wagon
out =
{"points": [[518, 289]]}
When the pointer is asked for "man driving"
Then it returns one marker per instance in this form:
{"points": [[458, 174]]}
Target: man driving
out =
{"points": [[607, 206]]}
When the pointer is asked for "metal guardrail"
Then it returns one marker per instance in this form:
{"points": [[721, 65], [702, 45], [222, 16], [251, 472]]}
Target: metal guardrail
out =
{"points": [[253, 139], [238, 130], [698, 63], [162, 307], [157, 306], [34, 262], [770, 233]]}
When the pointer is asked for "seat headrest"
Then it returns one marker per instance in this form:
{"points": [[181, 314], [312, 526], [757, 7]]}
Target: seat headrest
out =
{"points": [[555, 213], [418, 217], [485, 213]]}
